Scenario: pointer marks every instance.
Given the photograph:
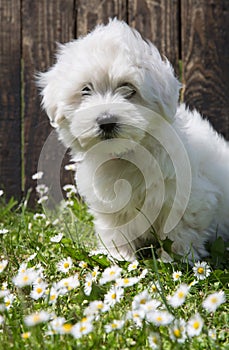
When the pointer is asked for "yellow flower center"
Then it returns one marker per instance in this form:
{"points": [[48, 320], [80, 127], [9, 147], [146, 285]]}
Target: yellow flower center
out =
{"points": [[214, 300], [177, 333], [84, 319], [36, 318], [67, 327], [94, 273], [100, 306], [180, 294], [112, 273], [25, 278], [113, 325], [142, 301], [53, 297], [196, 324], [66, 265], [200, 270], [154, 288], [113, 296], [154, 340], [159, 318], [39, 290], [26, 335], [126, 280], [7, 303], [83, 328]]}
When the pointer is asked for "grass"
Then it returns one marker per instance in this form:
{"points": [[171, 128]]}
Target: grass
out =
{"points": [[138, 297]]}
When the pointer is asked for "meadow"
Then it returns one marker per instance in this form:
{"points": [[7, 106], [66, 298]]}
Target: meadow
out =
{"points": [[57, 291]]}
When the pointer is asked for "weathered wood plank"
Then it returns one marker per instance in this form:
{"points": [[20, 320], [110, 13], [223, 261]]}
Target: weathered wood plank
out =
{"points": [[93, 12], [10, 112], [205, 57], [158, 21], [45, 22]]}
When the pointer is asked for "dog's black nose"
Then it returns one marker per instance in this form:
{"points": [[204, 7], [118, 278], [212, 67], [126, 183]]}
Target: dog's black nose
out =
{"points": [[108, 125]]}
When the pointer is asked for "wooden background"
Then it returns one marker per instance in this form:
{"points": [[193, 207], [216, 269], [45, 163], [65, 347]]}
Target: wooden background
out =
{"points": [[194, 32]]}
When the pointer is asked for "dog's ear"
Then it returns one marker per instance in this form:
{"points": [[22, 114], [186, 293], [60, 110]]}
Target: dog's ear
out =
{"points": [[169, 93], [50, 97], [163, 87]]}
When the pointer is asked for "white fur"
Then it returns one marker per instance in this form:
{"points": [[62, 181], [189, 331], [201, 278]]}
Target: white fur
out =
{"points": [[130, 182]]}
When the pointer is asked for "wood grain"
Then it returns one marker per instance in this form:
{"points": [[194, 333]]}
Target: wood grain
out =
{"points": [[158, 21], [93, 12], [10, 90], [205, 56], [45, 22]]}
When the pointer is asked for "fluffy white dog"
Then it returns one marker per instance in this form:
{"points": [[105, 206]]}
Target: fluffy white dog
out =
{"points": [[148, 168]]}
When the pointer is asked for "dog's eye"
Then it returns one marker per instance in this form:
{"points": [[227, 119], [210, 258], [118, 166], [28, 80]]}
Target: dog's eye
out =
{"points": [[86, 91], [127, 91]]}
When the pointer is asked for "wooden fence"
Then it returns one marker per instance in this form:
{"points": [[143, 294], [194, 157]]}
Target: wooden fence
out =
{"points": [[192, 32]]}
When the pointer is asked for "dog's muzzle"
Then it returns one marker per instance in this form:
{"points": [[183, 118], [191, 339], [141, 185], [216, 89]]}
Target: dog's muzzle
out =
{"points": [[108, 126]]}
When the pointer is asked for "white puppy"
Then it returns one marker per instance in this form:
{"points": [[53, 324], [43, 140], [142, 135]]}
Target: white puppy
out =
{"points": [[148, 168]]}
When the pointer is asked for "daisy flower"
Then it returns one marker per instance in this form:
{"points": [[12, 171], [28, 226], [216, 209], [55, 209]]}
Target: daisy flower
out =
{"points": [[36, 318], [95, 273], [179, 296], [31, 257], [113, 296], [71, 167], [212, 334], [42, 189], [69, 283], [38, 290], [127, 282], [154, 288], [149, 308], [8, 301], [194, 325], [143, 274], [140, 300], [64, 265], [25, 277], [38, 216], [178, 331], [154, 340], [53, 295], [88, 284], [83, 264], [56, 325], [4, 231], [3, 264], [57, 238], [137, 316], [26, 335], [213, 301], [82, 328], [161, 318], [201, 270], [116, 324], [42, 199], [110, 274], [176, 275], [70, 190], [95, 307], [38, 175], [133, 266]]}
